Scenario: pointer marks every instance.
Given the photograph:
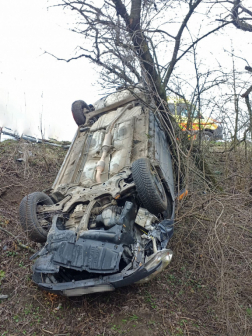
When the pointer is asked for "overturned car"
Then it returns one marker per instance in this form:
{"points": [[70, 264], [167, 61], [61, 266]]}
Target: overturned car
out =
{"points": [[109, 215]]}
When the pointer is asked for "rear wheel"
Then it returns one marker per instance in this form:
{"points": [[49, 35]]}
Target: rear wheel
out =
{"points": [[207, 136], [149, 186], [77, 111], [35, 225]]}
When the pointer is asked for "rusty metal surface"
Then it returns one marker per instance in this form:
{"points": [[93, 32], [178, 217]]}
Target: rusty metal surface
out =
{"points": [[97, 219], [129, 142]]}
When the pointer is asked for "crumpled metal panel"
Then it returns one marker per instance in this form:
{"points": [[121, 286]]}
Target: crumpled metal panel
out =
{"points": [[107, 118], [89, 255], [122, 142], [160, 152], [96, 144], [140, 138], [89, 171], [82, 158], [123, 134], [71, 165], [66, 159], [121, 95], [85, 152], [118, 97]]}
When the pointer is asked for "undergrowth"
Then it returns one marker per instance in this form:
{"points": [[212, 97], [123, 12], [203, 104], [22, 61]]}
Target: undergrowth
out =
{"points": [[206, 290]]}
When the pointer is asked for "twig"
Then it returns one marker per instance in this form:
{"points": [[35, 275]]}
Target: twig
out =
{"points": [[202, 217], [49, 332], [18, 241], [243, 228]]}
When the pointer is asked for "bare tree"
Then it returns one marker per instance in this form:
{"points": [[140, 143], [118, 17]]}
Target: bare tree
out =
{"points": [[142, 41], [242, 19], [241, 15], [247, 100], [238, 12], [137, 39]]}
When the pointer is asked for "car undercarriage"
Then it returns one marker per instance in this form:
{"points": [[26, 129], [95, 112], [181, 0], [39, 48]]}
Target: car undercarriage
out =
{"points": [[110, 213]]}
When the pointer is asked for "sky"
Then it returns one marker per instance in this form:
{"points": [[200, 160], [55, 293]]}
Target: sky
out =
{"points": [[36, 89]]}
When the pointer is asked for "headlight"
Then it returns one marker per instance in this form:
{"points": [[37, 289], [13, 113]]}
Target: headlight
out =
{"points": [[165, 256]]}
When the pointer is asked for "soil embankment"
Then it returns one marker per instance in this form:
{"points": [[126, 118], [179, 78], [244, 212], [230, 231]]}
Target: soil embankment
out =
{"points": [[206, 290]]}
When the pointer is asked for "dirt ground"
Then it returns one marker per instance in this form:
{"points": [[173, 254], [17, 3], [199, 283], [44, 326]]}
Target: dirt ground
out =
{"points": [[206, 290]]}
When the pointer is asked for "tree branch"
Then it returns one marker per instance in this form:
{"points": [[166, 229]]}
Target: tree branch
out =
{"points": [[18, 241], [140, 43], [239, 23], [245, 94], [121, 10], [192, 7], [199, 39], [120, 74]]}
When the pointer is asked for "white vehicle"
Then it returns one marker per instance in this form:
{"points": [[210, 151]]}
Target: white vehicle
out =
{"points": [[110, 212]]}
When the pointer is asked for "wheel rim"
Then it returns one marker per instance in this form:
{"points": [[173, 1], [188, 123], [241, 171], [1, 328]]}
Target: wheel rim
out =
{"points": [[206, 137], [45, 220]]}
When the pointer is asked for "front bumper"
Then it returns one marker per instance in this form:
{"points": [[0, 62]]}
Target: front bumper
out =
{"points": [[109, 283]]}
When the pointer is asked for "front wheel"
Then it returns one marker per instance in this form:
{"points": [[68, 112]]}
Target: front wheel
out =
{"points": [[35, 225], [149, 186], [207, 136], [77, 111]]}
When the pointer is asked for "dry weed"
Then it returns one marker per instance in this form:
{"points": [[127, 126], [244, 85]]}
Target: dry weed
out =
{"points": [[214, 236], [206, 290]]}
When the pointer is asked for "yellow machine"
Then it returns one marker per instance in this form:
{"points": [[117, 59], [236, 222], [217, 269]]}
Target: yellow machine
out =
{"points": [[191, 120]]}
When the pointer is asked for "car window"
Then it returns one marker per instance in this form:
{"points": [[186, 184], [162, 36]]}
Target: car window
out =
{"points": [[182, 110], [199, 116], [184, 113], [171, 108]]}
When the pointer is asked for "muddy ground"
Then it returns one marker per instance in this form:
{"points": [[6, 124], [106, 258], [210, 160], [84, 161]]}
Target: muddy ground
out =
{"points": [[206, 290]]}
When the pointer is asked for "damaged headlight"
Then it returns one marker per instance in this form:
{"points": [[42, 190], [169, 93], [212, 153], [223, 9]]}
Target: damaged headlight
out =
{"points": [[164, 256]]}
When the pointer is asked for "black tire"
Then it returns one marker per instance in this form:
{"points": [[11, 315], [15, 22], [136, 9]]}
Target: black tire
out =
{"points": [[29, 219], [77, 111], [149, 187], [207, 136]]}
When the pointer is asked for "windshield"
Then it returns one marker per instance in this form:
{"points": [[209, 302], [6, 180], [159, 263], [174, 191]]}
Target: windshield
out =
{"points": [[182, 110]]}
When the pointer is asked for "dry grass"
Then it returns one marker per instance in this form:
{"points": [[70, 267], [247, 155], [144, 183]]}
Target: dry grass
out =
{"points": [[206, 290]]}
